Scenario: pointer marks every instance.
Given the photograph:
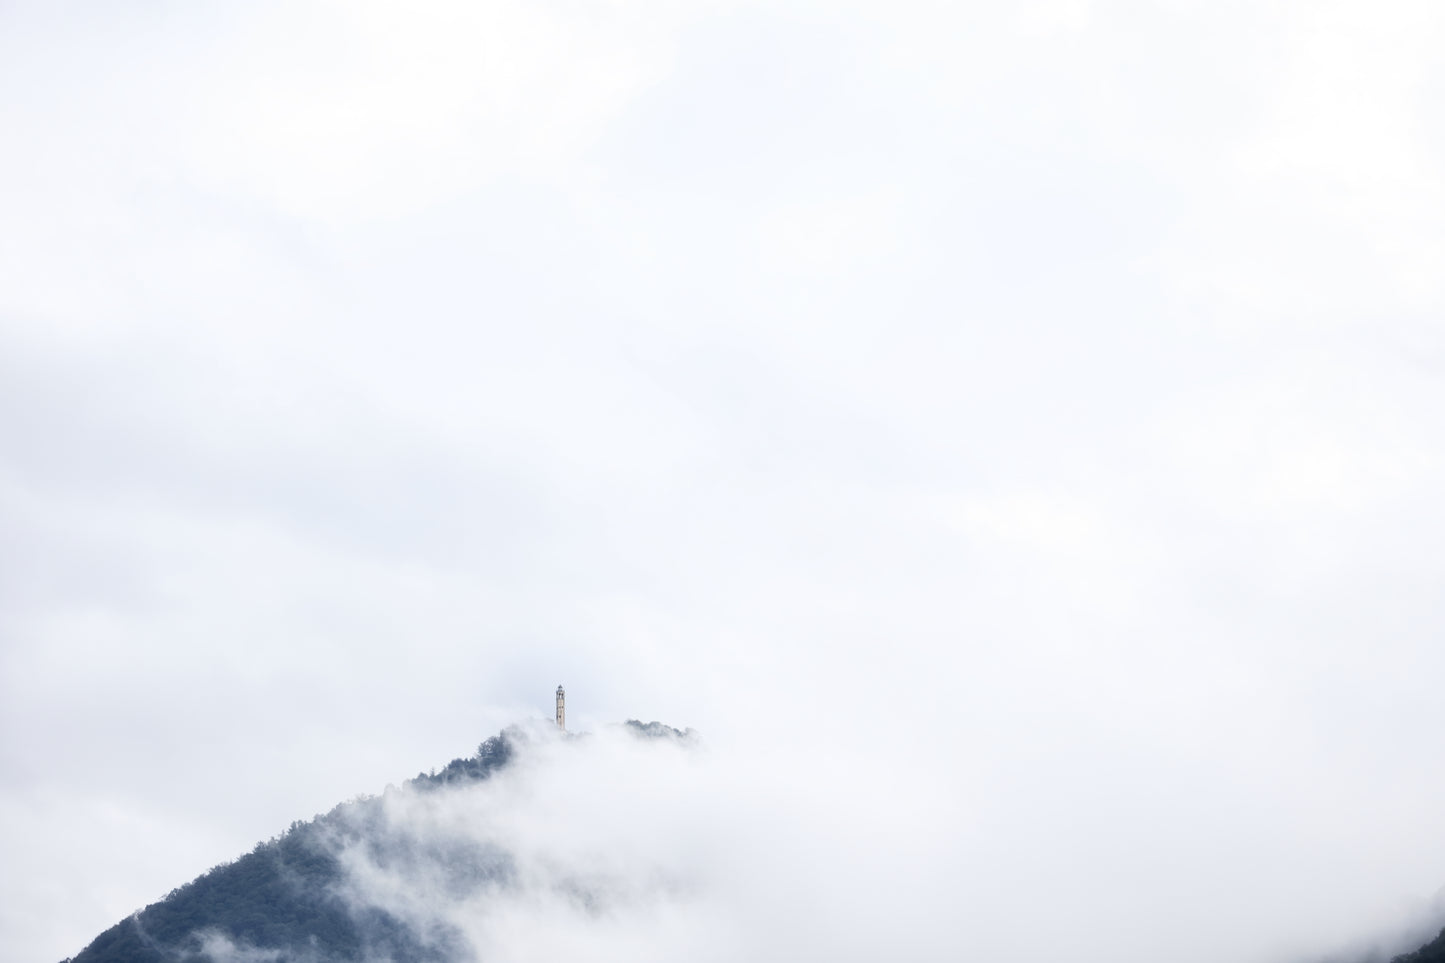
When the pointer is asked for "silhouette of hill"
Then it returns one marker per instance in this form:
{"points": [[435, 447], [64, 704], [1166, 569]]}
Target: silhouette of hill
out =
{"points": [[283, 896], [288, 899]]}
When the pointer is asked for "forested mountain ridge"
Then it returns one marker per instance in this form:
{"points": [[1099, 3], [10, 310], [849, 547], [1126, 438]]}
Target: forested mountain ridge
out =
{"points": [[281, 896], [301, 896], [288, 899]]}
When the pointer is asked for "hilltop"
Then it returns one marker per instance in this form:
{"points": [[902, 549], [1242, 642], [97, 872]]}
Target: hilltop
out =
{"points": [[297, 895], [407, 875]]}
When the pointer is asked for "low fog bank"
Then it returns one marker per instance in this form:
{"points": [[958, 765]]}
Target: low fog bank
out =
{"points": [[615, 846]]}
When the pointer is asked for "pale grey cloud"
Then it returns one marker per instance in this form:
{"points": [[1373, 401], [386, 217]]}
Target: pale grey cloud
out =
{"points": [[1017, 428]]}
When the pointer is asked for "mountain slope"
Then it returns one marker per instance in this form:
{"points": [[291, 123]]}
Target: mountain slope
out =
{"points": [[432, 872], [1432, 952], [283, 896]]}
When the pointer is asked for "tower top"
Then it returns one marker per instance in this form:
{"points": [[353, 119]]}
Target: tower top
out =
{"points": [[561, 709]]}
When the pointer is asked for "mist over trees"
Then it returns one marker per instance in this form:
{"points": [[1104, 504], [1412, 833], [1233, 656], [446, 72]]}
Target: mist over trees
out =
{"points": [[283, 898], [1432, 952], [471, 861]]}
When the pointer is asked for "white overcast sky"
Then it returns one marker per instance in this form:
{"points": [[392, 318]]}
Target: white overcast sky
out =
{"points": [[1027, 418]]}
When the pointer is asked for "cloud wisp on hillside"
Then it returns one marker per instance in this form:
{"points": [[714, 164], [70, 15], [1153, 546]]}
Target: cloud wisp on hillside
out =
{"points": [[618, 846], [643, 843]]}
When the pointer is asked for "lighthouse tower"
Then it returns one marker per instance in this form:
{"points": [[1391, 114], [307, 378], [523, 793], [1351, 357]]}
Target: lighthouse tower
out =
{"points": [[561, 708]]}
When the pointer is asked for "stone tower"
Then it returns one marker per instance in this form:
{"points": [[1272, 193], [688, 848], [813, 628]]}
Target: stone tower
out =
{"points": [[561, 708]]}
